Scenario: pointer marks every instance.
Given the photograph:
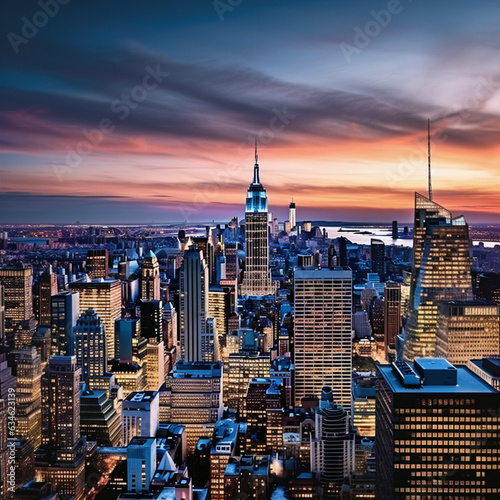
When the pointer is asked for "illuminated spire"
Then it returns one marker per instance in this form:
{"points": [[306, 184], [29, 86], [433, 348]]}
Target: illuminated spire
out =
{"points": [[429, 156], [256, 177]]}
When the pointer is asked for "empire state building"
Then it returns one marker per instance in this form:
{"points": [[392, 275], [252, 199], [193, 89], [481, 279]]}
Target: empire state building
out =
{"points": [[257, 277]]}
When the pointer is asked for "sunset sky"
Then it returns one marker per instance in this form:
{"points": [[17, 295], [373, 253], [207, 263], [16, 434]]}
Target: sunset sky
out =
{"points": [[181, 88]]}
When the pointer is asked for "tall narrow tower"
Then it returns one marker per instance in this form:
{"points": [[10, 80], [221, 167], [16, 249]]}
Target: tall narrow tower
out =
{"points": [[257, 277], [150, 278], [292, 215]]}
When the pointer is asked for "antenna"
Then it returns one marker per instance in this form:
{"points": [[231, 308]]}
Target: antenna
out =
{"points": [[429, 156], [256, 154]]}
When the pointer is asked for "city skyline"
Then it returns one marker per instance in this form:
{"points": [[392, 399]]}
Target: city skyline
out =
{"points": [[337, 96]]}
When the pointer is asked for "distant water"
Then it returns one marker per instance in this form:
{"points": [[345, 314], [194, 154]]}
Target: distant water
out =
{"points": [[382, 233]]}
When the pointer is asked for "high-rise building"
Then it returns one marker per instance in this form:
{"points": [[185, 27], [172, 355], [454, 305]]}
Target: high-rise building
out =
{"points": [[129, 376], [28, 370], [343, 261], [64, 313], [18, 284], [193, 306], [141, 464], [99, 419], [47, 288], [332, 447], [437, 435], [104, 296], [152, 319], [155, 365], [248, 477], [323, 330], [377, 256], [129, 344], [193, 389], [392, 316], [243, 367], [97, 263], [441, 271], [218, 308], [257, 275], [60, 459], [150, 278], [292, 216], [394, 229], [90, 345], [467, 330], [140, 414]]}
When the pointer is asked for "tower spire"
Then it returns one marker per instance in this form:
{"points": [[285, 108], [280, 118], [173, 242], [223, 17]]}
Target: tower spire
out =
{"points": [[256, 177], [429, 156]]}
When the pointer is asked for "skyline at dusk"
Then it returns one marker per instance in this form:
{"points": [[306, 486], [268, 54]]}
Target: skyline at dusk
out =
{"points": [[124, 113]]}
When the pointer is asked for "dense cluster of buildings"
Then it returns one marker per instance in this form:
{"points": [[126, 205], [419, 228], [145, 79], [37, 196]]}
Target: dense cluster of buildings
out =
{"points": [[259, 359]]}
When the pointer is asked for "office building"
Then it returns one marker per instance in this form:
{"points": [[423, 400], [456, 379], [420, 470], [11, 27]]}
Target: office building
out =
{"points": [[64, 315], [104, 296], [129, 344], [363, 392], [155, 365], [47, 287], [467, 330], [150, 277], [99, 419], [141, 463], [441, 271], [292, 216], [169, 325], [244, 366], [332, 447], [140, 414], [249, 476], [377, 256], [323, 329], [17, 282], [218, 308], [90, 345], [152, 319], [97, 263], [192, 396], [392, 316], [257, 275], [60, 459], [436, 434], [225, 443], [28, 370], [488, 369], [194, 283], [129, 376]]}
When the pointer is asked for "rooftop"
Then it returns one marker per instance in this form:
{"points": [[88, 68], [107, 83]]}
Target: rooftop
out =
{"points": [[431, 368]]}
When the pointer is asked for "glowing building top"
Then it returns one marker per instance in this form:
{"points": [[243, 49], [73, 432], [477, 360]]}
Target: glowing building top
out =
{"points": [[256, 194]]}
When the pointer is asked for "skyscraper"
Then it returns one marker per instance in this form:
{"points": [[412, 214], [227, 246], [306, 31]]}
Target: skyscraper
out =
{"points": [[150, 278], [377, 256], [90, 348], [64, 313], [392, 315], [441, 271], [104, 296], [47, 288], [60, 460], [257, 275], [467, 330], [18, 283], [193, 305], [332, 447], [141, 463], [323, 345], [96, 263], [436, 436], [292, 215]]}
